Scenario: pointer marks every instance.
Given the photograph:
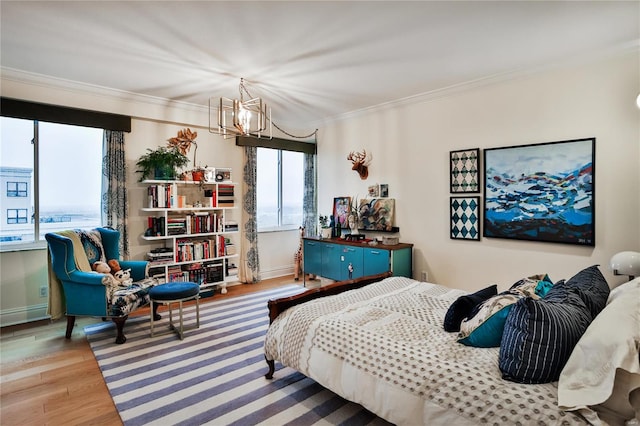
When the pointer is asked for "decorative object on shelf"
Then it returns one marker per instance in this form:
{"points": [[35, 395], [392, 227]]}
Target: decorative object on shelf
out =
{"points": [[183, 143], [626, 263], [377, 214], [465, 218], [464, 168], [222, 174], [325, 230], [541, 192], [360, 162], [384, 190], [240, 117], [161, 163], [354, 219], [341, 210]]}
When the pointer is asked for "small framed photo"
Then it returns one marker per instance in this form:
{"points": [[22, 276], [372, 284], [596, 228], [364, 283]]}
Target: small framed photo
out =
{"points": [[341, 209], [464, 166], [465, 218], [384, 190], [374, 190]]}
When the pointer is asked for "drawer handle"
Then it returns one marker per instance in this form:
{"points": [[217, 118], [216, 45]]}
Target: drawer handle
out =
{"points": [[375, 252]]}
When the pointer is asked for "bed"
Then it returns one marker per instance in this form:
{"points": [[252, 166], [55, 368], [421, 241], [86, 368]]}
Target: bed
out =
{"points": [[381, 343]]}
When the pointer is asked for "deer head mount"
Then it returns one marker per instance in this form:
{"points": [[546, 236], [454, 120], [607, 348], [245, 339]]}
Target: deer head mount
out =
{"points": [[360, 161]]}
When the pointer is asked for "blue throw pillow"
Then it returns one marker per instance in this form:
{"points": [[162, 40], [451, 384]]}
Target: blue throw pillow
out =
{"points": [[463, 306], [591, 286], [539, 335]]}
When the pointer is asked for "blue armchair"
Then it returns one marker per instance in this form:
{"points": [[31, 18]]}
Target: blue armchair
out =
{"points": [[74, 289]]}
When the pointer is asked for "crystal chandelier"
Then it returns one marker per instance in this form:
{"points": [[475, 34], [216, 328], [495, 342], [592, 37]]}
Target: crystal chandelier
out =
{"points": [[240, 117]]}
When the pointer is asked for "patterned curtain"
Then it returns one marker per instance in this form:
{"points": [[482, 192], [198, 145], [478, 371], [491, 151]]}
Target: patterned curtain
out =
{"points": [[114, 187], [249, 268], [309, 202]]}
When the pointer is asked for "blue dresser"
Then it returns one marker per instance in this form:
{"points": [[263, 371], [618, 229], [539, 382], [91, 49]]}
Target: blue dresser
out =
{"points": [[339, 259]]}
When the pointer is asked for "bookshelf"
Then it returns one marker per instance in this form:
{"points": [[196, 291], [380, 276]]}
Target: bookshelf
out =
{"points": [[193, 233]]}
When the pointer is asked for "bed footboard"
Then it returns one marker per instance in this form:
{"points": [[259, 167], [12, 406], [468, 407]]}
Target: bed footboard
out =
{"points": [[277, 306]]}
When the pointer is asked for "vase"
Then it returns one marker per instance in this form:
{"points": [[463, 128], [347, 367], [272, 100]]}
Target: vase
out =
{"points": [[198, 175], [325, 232]]}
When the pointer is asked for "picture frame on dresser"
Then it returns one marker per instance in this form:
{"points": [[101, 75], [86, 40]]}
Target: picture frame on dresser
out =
{"points": [[341, 209], [465, 218], [541, 192], [464, 168]]}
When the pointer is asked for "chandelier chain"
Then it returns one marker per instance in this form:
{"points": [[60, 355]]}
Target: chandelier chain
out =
{"points": [[242, 88]]}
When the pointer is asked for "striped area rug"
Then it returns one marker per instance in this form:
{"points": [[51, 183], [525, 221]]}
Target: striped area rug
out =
{"points": [[216, 374]]}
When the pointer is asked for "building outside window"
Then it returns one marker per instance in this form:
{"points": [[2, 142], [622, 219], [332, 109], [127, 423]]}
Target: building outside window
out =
{"points": [[53, 177], [280, 189]]}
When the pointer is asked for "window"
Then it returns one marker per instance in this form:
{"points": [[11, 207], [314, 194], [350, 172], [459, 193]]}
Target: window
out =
{"points": [[16, 216], [53, 179], [16, 189], [280, 188]]}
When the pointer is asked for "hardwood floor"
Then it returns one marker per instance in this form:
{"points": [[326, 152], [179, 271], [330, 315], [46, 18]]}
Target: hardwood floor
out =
{"points": [[46, 379]]}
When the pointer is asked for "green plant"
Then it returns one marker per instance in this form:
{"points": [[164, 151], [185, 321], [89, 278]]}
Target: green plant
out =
{"points": [[161, 163], [324, 221]]}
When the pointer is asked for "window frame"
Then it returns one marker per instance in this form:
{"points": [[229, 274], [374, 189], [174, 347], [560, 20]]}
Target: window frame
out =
{"points": [[280, 205], [42, 112], [17, 191]]}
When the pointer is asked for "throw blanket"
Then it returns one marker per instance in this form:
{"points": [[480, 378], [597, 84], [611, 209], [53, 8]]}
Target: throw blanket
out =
{"points": [[56, 307], [384, 346]]}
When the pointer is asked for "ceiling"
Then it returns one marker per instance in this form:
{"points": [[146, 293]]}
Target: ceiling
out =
{"points": [[311, 61]]}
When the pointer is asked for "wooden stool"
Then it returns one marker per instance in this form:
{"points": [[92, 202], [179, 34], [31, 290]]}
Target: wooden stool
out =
{"points": [[175, 292]]}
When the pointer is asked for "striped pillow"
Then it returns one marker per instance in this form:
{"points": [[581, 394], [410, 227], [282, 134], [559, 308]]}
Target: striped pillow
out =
{"points": [[539, 335]]}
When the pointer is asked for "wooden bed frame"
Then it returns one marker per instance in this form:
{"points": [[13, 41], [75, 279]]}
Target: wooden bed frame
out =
{"points": [[277, 306]]}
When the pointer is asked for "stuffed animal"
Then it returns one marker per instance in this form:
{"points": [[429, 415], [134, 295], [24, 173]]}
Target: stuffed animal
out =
{"points": [[123, 276], [108, 279], [114, 265], [101, 267]]}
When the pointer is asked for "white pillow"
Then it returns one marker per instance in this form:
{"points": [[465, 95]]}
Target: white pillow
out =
{"points": [[612, 342]]}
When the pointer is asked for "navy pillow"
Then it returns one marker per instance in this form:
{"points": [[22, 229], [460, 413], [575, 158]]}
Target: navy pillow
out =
{"points": [[591, 286], [462, 307], [539, 335]]}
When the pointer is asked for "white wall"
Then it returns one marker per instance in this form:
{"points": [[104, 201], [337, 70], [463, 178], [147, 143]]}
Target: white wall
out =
{"points": [[410, 146]]}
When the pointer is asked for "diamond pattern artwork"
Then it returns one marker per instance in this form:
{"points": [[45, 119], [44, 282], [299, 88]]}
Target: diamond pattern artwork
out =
{"points": [[465, 218], [465, 176]]}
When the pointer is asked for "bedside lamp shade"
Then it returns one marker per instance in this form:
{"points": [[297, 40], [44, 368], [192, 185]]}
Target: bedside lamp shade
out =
{"points": [[626, 263]]}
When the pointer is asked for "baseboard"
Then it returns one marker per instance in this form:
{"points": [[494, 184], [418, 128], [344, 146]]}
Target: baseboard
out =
{"points": [[23, 315], [276, 272]]}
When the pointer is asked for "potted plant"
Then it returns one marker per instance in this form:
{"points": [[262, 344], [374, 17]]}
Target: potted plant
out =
{"points": [[325, 230], [161, 163]]}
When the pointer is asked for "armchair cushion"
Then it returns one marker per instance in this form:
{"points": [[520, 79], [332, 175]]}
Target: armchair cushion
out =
{"points": [[92, 244]]}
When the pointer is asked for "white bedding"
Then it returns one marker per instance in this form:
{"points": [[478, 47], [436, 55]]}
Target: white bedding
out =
{"points": [[383, 346]]}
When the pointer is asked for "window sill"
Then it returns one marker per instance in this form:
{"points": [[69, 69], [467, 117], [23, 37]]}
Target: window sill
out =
{"points": [[278, 229], [40, 245]]}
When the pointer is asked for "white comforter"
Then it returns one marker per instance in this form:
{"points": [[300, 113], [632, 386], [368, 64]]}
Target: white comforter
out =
{"points": [[383, 346]]}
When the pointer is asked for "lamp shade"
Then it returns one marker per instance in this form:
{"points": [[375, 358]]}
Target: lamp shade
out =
{"points": [[626, 263]]}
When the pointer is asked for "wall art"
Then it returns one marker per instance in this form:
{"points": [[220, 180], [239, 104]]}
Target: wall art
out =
{"points": [[341, 209], [541, 192], [377, 214], [464, 170], [465, 218]]}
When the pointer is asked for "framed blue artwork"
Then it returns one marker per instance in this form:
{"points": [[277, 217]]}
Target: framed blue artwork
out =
{"points": [[541, 192], [465, 218]]}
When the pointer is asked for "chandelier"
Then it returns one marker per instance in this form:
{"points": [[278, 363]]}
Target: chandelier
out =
{"points": [[240, 117]]}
